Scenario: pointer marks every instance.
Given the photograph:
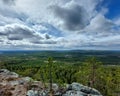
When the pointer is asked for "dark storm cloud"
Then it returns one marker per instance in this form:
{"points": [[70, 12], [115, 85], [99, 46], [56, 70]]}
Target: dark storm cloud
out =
{"points": [[9, 2], [74, 18]]}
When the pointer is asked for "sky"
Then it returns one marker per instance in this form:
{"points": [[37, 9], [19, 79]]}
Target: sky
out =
{"points": [[59, 24]]}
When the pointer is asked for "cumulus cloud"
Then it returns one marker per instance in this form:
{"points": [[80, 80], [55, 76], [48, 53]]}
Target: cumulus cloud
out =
{"points": [[74, 18], [21, 34], [15, 30], [100, 25], [52, 24]]}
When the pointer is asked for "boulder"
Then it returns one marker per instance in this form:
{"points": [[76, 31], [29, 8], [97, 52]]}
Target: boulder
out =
{"points": [[76, 89]]}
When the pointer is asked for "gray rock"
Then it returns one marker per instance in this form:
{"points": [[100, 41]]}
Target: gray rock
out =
{"points": [[13, 74], [91, 91], [4, 71], [32, 93], [7, 73], [76, 86], [55, 87], [13, 83], [74, 93], [76, 89], [26, 79]]}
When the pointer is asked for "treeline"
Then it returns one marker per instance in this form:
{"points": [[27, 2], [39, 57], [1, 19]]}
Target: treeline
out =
{"points": [[91, 72]]}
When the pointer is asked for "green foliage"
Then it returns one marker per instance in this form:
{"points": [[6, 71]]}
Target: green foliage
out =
{"points": [[105, 78]]}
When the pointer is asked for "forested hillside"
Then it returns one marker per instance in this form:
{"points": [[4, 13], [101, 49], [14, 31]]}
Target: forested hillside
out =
{"points": [[65, 70]]}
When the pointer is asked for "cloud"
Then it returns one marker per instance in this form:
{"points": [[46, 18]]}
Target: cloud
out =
{"points": [[45, 42], [40, 12], [21, 36], [10, 14], [117, 21], [9, 2], [47, 36], [50, 29], [74, 18], [100, 23], [16, 30], [57, 24]]}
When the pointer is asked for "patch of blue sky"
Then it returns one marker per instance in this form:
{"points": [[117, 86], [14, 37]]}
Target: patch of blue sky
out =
{"points": [[51, 30], [113, 9]]}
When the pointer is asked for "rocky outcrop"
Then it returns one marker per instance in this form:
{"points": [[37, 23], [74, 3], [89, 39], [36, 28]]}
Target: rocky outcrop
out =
{"points": [[11, 84], [76, 89]]}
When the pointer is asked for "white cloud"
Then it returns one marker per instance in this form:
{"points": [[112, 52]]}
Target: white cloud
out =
{"points": [[100, 24], [30, 24], [117, 21], [15, 34]]}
